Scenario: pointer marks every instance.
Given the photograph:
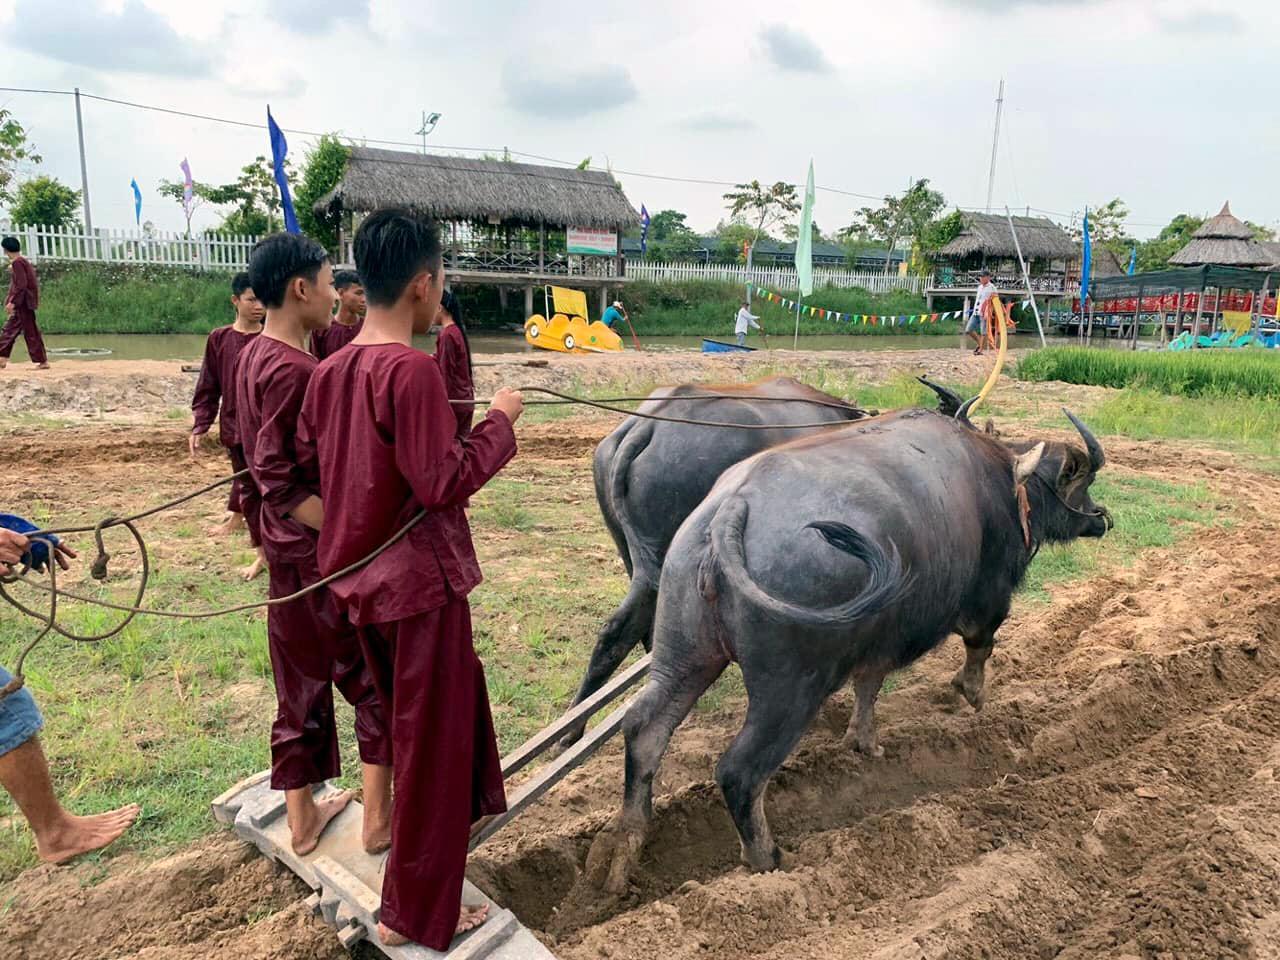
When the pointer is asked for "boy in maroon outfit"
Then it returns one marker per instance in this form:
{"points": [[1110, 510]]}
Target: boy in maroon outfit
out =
{"points": [[378, 420], [347, 321], [20, 306], [311, 643], [215, 398], [453, 354]]}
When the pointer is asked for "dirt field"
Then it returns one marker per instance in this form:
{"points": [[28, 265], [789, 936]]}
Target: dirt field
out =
{"points": [[1116, 798]]}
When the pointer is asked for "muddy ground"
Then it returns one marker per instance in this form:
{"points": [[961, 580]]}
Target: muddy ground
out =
{"points": [[1116, 798]]}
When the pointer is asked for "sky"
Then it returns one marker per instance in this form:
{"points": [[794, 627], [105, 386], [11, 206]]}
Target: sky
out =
{"points": [[1167, 105]]}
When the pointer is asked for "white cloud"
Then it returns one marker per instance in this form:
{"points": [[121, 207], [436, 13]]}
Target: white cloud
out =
{"points": [[557, 88], [717, 123], [1202, 23], [313, 17], [791, 50], [134, 40]]}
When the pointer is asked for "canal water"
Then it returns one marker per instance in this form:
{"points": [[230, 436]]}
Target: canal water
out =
{"points": [[190, 347]]}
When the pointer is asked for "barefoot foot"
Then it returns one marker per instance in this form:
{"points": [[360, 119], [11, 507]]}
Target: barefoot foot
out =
{"points": [[254, 570], [376, 836], [81, 835], [468, 919], [305, 836], [42, 366]]}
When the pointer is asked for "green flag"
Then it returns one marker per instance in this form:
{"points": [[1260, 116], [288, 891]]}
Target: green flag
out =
{"points": [[804, 240]]}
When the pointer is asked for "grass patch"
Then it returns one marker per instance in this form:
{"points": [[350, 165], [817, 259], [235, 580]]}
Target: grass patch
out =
{"points": [[1227, 373], [1252, 425], [1149, 513]]}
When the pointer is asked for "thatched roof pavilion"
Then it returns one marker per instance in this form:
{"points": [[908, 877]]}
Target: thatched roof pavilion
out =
{"points": [[987, 234], [479, 191], [1223, 241], [507, 224], [986, 242]]}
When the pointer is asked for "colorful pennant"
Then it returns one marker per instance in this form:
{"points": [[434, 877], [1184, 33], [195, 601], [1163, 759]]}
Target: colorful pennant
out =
{"points": [[864, 319]]}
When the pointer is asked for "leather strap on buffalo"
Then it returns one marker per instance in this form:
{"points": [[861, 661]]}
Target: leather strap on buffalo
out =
{"points": [[1024, 513]]}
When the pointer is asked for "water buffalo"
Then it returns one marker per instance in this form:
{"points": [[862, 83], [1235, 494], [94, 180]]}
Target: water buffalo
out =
{"points": [[650, 475], [850, 553]]}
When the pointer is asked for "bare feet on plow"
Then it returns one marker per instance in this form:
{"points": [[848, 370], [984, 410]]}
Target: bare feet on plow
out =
{"points": [[81, 835], [376, 834], [468, 919], [305, 836]]}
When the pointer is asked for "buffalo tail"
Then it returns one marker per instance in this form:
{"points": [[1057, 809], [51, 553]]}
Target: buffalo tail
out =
{"points": [[886, 579]]}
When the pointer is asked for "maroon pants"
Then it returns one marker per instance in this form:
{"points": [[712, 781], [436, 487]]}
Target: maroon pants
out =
{"points": [[244, 498], [312, 649], [446, 766], [23, 322]]}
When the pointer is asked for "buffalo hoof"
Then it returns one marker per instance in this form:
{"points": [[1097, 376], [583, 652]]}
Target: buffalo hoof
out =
{"points": [[868, 748], [973, 690], [769, 861], [612, 859]]}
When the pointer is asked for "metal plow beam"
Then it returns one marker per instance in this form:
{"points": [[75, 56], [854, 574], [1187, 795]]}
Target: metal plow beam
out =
{"points": [[347, 881]]}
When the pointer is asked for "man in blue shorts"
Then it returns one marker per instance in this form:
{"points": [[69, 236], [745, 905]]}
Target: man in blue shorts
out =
{"points": [[975, 327], [24, 772]]}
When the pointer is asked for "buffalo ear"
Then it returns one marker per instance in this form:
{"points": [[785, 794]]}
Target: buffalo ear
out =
{"points": [[1025, 464]]}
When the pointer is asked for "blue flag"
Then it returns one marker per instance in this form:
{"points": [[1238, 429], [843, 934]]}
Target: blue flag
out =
{"points": [[279, 150], [1133, 260], [644, 229], [137, 202], [1086, 262]]}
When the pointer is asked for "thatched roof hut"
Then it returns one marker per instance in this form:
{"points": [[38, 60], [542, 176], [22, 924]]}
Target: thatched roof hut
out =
{"points": [[479, 191], [1104, 263], [988, 234], [1222, 241], [1272, 250]]}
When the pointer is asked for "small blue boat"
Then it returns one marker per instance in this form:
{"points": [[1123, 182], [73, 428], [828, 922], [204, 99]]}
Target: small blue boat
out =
{"points": [[719, 346]]}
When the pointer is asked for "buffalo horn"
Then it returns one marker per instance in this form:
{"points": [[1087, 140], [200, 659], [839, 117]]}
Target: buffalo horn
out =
{"points": [[948, 401], [1097, 459], [963, 413]]}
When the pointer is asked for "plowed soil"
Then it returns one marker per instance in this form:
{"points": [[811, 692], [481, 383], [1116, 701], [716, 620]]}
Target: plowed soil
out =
{"points": [[1117, 797]]}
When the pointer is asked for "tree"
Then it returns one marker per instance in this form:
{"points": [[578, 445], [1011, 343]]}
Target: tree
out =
{"points": [[792, 231], [670, 237], [254, 195], [1106, 227], [15, 150], [46, 202], [667, 223], [762, 207], [1154, 254], [322, 169], [732, 236], [898, 218], [939, 233]]}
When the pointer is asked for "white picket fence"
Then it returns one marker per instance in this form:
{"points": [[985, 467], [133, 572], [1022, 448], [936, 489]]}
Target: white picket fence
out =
{"points": [[777, 278], [199, 252]]}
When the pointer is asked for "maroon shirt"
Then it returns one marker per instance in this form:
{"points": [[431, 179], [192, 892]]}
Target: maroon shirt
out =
{"points": [[271, 381], [24, 291], [455, 366], [216, 386], [377, 421], [325, 343]]}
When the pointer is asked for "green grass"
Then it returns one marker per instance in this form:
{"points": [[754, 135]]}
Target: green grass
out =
{"points": [[126, 298], [1148, 513], [1249, 426], [1233, 373]]}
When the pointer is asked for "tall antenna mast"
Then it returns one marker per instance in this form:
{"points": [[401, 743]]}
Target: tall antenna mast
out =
{"points": [[995, 143]]}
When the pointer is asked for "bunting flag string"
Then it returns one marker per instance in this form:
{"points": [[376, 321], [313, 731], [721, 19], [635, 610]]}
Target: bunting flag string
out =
{"points": [[865, 319]]}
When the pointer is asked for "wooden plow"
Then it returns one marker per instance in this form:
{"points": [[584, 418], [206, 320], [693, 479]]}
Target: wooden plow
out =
{"points": [[347, 882]]}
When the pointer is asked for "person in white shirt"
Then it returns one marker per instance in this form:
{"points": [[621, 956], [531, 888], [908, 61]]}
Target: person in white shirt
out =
{"points": [[975, 327], [746, 320]]}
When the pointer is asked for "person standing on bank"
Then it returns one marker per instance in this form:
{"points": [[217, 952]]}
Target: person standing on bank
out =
{"points": [[20, 307], [976, 326], [746, 320]]}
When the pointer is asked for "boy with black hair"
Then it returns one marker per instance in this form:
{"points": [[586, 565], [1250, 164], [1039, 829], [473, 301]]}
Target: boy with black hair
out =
{"points": [[378, 421], [347, 321], [312, 646], [215, 398], [20, 306]]}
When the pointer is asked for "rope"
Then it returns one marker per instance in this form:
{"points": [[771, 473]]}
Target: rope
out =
{"points": [[997, 307], [132, 610]]}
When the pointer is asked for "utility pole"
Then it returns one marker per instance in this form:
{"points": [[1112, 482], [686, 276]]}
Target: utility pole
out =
{"points": [[429, 121], [995, 143], [84, 170]]}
